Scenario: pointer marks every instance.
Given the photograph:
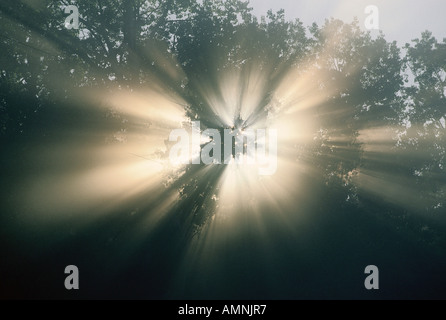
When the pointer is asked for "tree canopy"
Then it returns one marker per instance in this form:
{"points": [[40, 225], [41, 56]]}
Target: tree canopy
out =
{"points": [[363, 122]]}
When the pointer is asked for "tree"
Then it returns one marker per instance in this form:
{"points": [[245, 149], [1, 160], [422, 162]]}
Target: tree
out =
{"points": [[424, 115], [364, 121]]}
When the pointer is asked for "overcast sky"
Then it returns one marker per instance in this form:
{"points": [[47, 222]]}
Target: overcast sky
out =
{"points": [[401, 20]]}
